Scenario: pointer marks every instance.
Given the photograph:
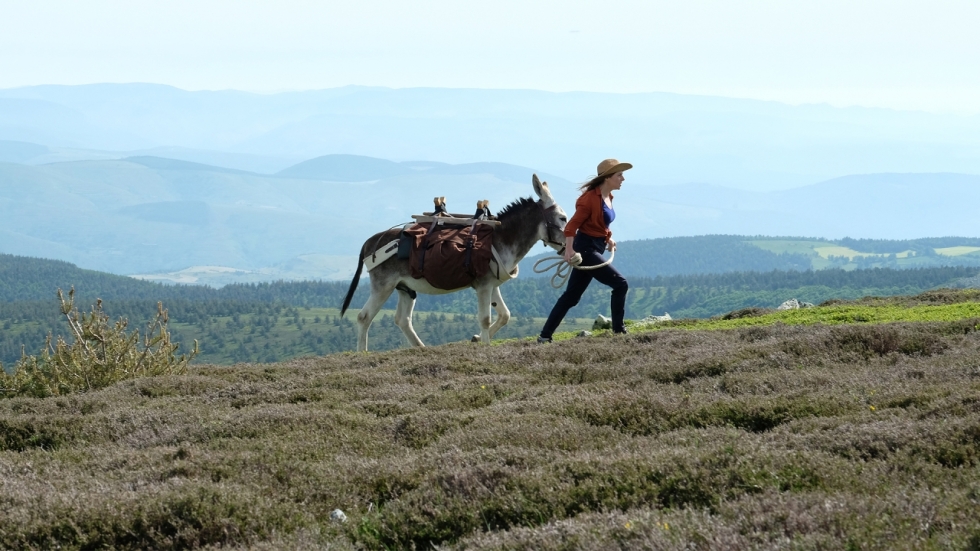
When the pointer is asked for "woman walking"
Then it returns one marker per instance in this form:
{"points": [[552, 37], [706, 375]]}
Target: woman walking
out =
{"points": [[588, 234]]}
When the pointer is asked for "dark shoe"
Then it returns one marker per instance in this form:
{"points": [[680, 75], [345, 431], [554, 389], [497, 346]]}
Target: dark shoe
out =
{"points": [[544, 340], [622, 332]]}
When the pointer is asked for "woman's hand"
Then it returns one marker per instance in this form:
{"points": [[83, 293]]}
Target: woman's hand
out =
{"points": [[610, 244], [569, 251]]}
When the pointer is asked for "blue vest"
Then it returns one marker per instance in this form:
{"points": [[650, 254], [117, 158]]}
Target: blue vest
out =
{"points": [[608, 214]]}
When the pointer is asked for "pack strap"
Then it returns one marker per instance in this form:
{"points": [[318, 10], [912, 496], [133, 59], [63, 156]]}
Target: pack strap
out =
{"points": [[495, 258]]}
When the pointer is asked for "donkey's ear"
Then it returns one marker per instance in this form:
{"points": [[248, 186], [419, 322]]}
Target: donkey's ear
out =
{"points": [[539, 186], [541, 189]]}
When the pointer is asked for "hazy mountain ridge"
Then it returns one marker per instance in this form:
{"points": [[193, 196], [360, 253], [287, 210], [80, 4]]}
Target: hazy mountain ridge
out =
{"points": [[671, 138], [149, 179], [145, 214], [882, 206], [150, 215]]}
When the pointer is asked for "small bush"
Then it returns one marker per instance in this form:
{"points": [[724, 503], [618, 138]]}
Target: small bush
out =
{"points": [[881, 340], [30, 434], [751, 312], [102, 354]]}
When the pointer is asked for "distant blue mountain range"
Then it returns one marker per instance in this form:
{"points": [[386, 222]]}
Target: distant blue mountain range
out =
{"points": [[150, 216], [150, 179], [671, 138]]}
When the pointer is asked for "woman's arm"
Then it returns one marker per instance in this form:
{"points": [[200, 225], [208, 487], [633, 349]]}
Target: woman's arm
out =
{"points": [[582, 212], [569, 251]]}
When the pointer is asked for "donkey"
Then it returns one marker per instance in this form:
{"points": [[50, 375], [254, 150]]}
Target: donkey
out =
{"points": [[522, 223]]}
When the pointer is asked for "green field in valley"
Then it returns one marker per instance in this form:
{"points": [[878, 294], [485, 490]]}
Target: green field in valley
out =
{"points": [[850, 254]]}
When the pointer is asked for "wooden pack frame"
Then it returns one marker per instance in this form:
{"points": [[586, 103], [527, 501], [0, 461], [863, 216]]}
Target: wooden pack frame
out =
{"points": [[452, 218]]}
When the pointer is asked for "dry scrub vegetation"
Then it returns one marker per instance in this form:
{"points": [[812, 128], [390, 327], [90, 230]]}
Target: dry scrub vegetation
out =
{"points": [[760, 437], [100, 353]]}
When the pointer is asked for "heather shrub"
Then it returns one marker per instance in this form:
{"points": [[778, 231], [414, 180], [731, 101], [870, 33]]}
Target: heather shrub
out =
{"points": [[101, 353], [881, 340], [750, 312], [769, 436], [20, 435]]}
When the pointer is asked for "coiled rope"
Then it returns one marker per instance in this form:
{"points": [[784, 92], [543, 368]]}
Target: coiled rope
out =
{"points": [[563, 269]]}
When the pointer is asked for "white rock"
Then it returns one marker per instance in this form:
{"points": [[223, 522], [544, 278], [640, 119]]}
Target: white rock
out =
{"points": [[655, 319], [793, 304], [338, 516]]}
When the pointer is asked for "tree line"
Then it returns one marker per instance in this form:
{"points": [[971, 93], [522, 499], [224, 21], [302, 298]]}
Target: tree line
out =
{"points": [[702, 254], [265, 322]]}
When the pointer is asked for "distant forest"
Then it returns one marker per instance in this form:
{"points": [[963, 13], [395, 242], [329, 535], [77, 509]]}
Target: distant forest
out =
{"points": [[273, 321], [713, 254], [703, 254], [921, 246]]}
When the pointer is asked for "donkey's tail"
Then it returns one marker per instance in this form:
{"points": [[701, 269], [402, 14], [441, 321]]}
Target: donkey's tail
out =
{"points": [[353, 284]]}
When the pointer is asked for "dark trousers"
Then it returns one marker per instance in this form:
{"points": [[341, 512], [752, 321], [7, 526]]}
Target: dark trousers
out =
{"points": [[591, 249]]}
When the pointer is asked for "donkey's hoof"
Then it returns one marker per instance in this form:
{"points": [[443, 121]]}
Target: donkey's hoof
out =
{"points": [[476, 338]]}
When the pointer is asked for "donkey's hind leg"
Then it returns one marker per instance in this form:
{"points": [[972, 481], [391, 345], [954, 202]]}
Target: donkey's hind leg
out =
{"points": [[364, 318], [483, 298], [503, 313], [403, 317]]}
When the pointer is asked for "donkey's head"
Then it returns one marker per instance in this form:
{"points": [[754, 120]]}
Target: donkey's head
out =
{"points": [[551, 232]]}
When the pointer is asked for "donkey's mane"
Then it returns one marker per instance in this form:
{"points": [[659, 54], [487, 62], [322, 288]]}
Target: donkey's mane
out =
{"points": [[517, 205]]}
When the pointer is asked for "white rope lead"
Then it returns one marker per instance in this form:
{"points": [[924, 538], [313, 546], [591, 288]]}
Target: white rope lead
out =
{"points": [[563, 269]]}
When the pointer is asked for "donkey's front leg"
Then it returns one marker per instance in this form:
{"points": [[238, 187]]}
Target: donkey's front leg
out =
{"points": [[503, 313], [483, 296]]}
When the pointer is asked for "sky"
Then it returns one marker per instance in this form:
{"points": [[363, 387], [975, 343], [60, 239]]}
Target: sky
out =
{"points": [[901, 54]]}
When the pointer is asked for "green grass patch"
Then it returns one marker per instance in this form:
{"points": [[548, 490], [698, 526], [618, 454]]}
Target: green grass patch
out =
{"points": [[835, 315], [780, 246], [956, 251]]}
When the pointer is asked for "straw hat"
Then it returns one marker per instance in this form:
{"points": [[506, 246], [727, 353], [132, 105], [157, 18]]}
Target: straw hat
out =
{"points": [[610, 167]]}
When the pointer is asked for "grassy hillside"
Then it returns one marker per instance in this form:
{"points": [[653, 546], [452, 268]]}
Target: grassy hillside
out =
{"points": [[841, 434], [36, 279]]}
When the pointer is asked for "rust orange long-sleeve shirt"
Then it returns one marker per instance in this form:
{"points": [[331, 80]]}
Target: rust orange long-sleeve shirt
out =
{"points": [[588, 216]]}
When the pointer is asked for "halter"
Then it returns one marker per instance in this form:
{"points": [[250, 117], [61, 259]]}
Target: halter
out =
{"points": [[549, 225]]}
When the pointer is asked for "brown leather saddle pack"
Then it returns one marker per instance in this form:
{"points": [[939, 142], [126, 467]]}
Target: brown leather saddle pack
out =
{"points": [[449, 256]]}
